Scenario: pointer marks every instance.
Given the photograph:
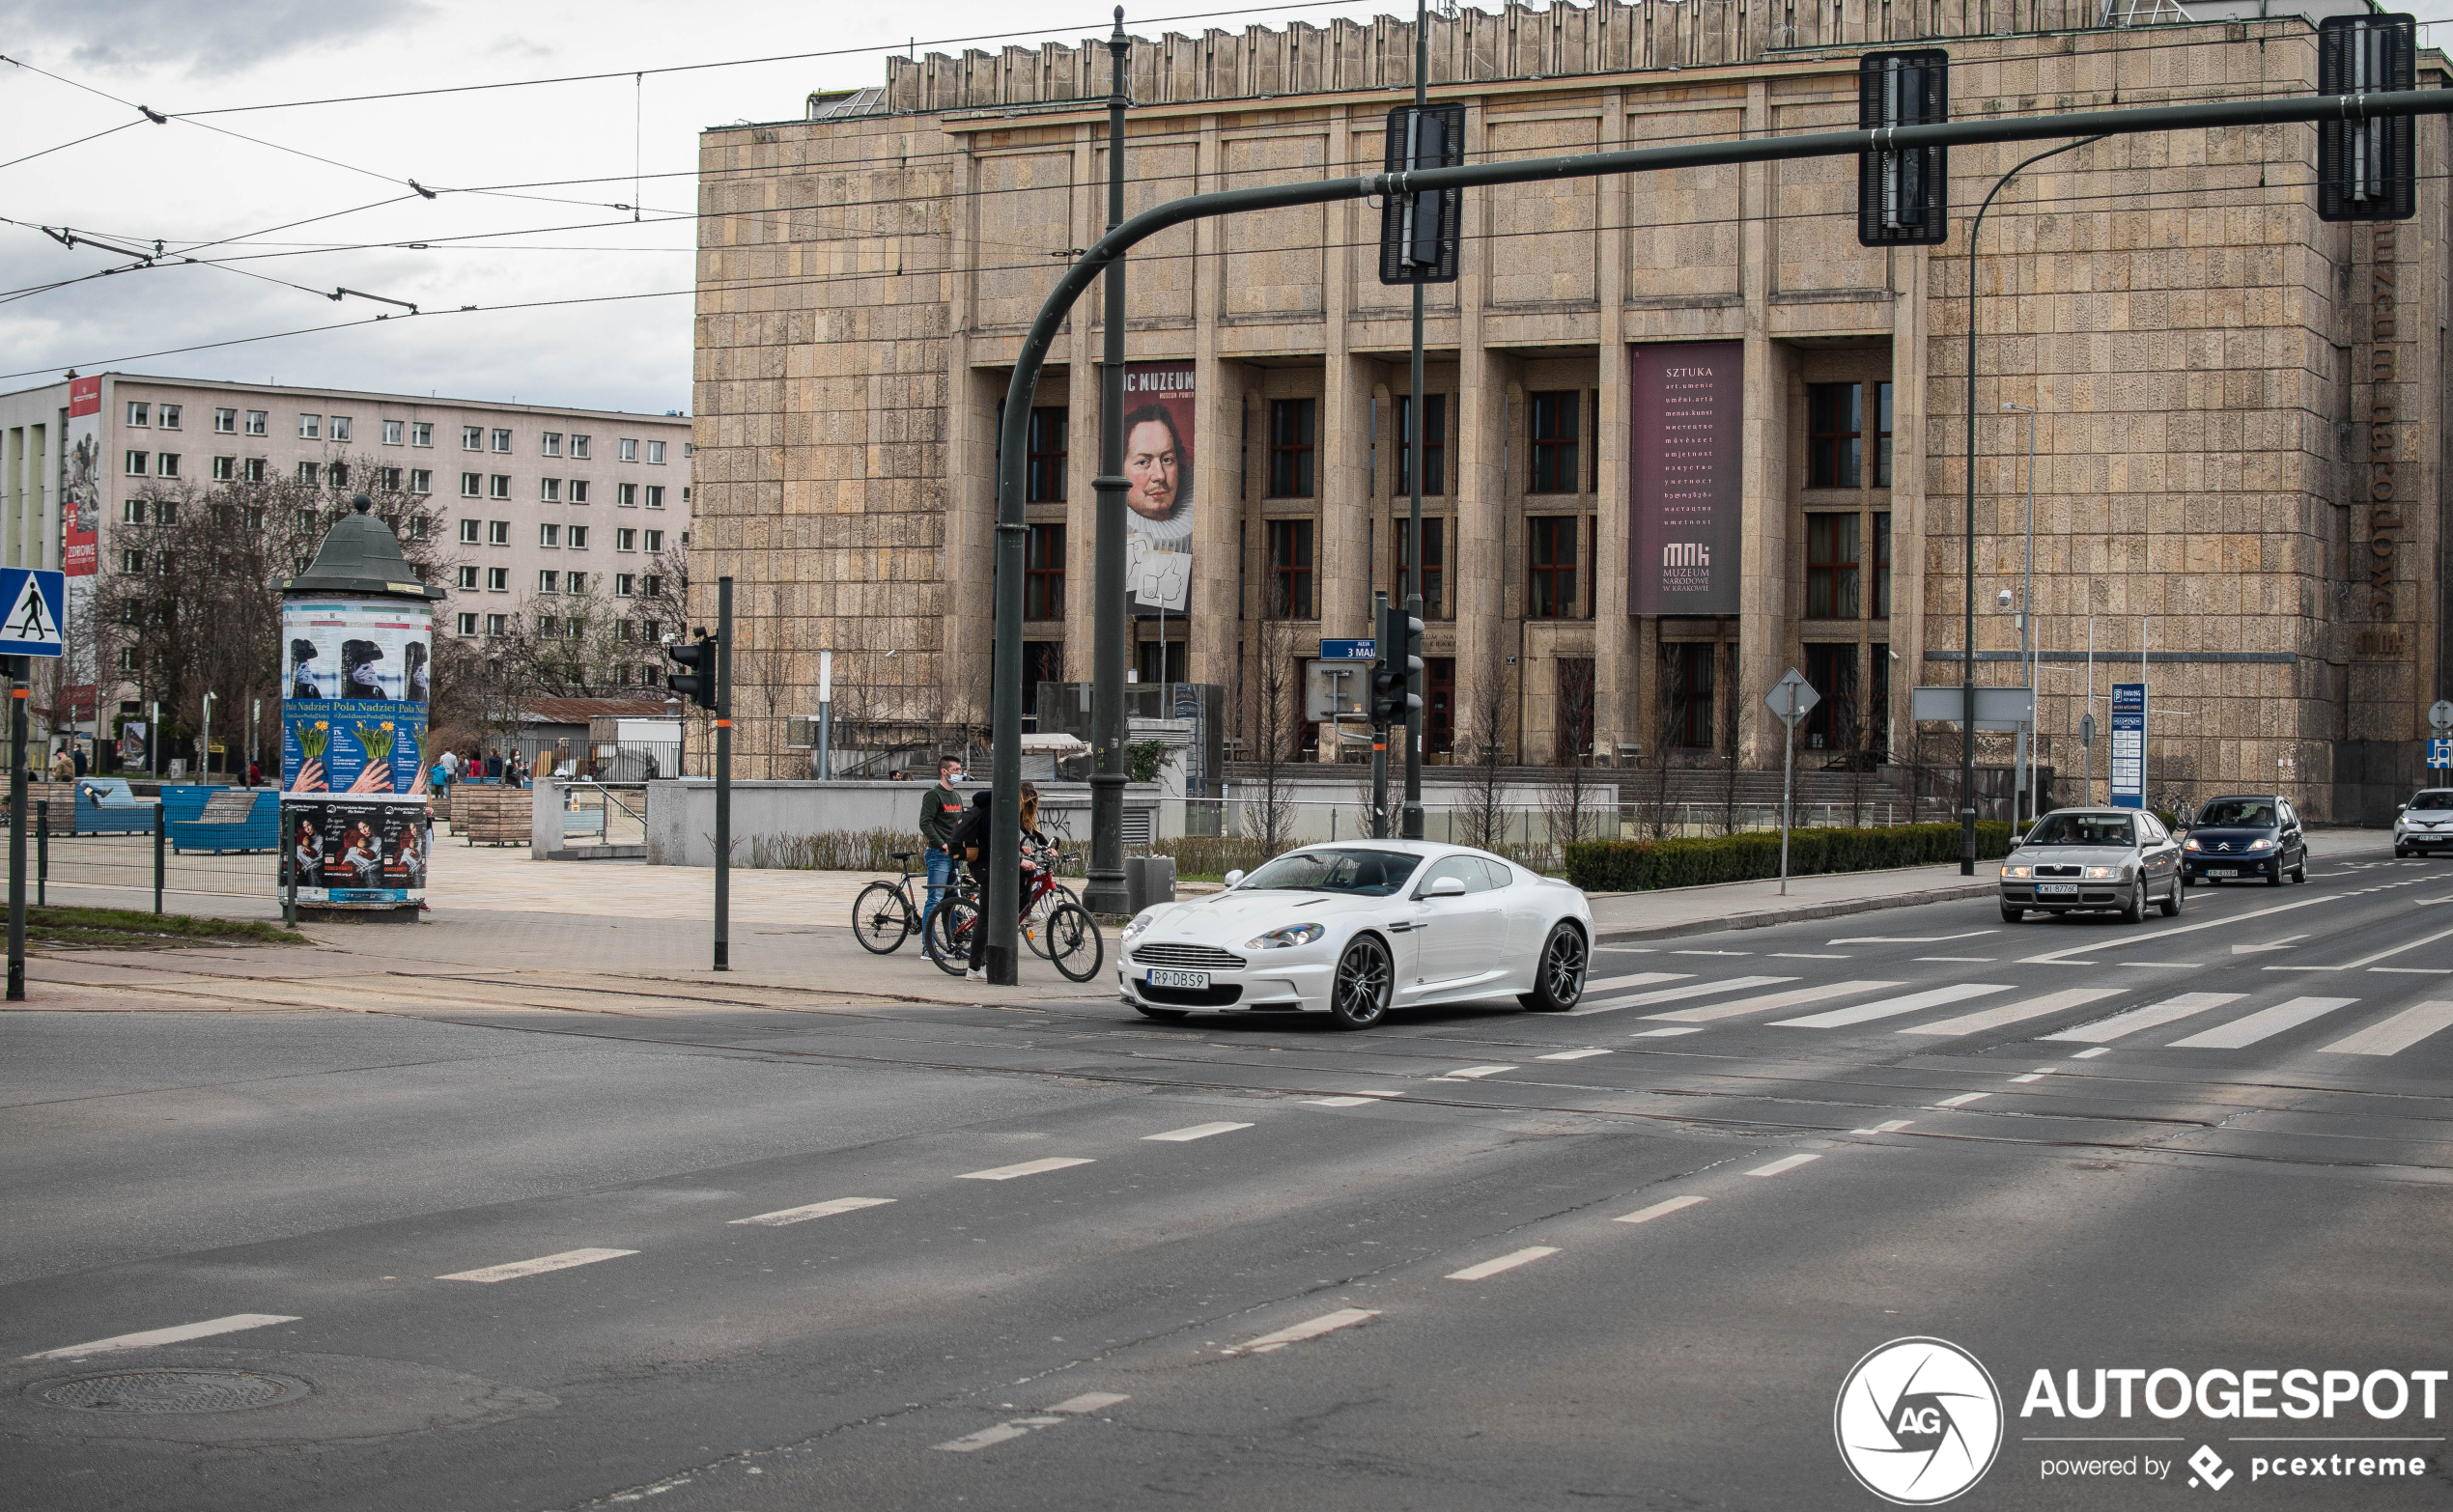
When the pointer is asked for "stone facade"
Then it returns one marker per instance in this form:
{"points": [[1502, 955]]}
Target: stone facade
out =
{"points": [[2239, 445]]}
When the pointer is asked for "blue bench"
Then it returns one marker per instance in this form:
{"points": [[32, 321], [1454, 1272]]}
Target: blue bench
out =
{"points": [[107, 806], [222, 820]]}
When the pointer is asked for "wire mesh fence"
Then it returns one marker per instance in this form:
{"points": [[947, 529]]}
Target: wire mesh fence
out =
{"points": [[141, 866]]}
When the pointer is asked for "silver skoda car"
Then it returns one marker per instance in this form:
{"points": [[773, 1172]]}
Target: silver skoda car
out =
{"points": [[2091, 860]]}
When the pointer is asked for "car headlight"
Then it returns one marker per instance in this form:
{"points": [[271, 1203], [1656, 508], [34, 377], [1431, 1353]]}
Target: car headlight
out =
{"points": [[2260, 844], [1140, 922], [2100, 872], [1282, 939], [2017, 871], [2190, 844]]}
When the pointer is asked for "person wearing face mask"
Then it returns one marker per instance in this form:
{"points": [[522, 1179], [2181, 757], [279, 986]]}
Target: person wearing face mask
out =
{"points": [[941, 810]]}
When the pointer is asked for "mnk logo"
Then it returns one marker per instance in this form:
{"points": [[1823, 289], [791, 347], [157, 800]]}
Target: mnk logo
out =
{"points": [[1918, 1421], [1686, 553]]}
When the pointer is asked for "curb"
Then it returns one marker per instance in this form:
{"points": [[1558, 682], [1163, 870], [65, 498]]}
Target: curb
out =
{"points": [[1800, 912]]}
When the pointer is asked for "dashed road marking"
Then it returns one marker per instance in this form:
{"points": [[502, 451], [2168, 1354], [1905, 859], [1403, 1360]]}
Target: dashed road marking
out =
{"points": [[1472, 1072], [1508, 1262], [489, 1275], [1785, 1163], [1197, 1132], [2090, 1054], [1656, 1034], [1296, 1334], [815, 1210], [1658, 1210], [1054, 1162], [178, 1334], [1963, 1099], [1577, 1055], [1020, 1427]]}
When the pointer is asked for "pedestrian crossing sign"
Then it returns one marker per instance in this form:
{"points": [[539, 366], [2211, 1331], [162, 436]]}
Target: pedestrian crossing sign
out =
{"points": [[37, 601]]}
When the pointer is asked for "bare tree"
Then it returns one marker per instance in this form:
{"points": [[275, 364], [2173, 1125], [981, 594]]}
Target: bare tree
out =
{"points": [[1481, 819], [1727, 741], [1272, 689], [1668, 729], [1569, 803]]}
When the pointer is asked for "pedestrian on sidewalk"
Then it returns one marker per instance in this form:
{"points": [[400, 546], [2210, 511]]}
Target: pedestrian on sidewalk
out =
{"points": [[941, 815], [62, 766], [969, 844]]}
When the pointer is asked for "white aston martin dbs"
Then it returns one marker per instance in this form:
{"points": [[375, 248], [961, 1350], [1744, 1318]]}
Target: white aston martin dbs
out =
{"points": [[1355, 929]]}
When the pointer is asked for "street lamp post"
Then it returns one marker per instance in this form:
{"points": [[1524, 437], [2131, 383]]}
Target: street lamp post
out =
{"points": [[1103, 889], [2027, 637]]}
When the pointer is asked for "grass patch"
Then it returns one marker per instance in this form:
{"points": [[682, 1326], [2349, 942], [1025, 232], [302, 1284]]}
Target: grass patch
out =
{"points": [[132, 928]]}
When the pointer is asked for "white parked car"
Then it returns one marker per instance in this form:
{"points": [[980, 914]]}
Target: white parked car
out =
{"points": [[1355, 929]]}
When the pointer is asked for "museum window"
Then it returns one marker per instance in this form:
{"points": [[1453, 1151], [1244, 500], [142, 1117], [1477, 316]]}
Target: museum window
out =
{"points": [[1293, 443], [1043, 572], [1556, 417], [1044, 457], [1831, 669], [1434, 584], [1882, 564], [1831, 566], [1551, 568], [1290, 584], [1840, 440], [1687, 692], [1434, 445]]}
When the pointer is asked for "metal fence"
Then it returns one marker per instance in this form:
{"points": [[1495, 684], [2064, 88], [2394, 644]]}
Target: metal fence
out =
{"points": [[140, 868]]}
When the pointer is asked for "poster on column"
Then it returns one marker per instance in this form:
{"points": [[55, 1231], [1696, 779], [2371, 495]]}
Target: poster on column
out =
{"points": [[1686, 477], [364, 852], [356, 676], [1157, 476]]}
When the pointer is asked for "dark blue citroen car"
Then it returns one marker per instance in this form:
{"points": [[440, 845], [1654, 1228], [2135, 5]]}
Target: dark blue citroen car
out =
{"points": [[2253, 836]]}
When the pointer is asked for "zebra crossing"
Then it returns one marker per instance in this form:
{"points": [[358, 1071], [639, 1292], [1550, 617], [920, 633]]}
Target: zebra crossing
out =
{"points": [[1687, 1006]]}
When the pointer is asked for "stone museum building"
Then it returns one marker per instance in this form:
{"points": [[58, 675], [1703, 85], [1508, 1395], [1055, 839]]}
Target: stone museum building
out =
{"points": [[2238, 409]]}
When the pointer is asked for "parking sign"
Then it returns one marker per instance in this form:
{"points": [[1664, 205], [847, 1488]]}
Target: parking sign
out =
{"points": [[2440, 753]]}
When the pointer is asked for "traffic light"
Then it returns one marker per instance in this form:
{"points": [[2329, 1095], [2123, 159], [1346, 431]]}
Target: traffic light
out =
{"points": [[1903, 195], [1397, 665], [696, 682], [2365, 169], [1418, 232]]}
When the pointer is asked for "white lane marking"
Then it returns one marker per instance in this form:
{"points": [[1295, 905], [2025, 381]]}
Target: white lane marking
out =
{"points": [[2263, 1023], [1787, 1162], [1089, 1402], [2283, 942], [1894, 1126], [1296, 1334], [985, 1436], [1018, 1427], [1582, 1054], [1054, 1162], [1488, 1268], [1711, 952], [1891, 1007], [815, 1210], [1803, 955], [2013, 1013], [487, 1275], [2365, 961], [2396, 1034], [1358, 1100], [2415, 970], [1658, 1034], [1908, 940], [2056, 957], [1197, 1132], [1794, 997], [1670, 994], [2033, 1075], [1658, 1210], [1961, 959], [180, 1334], [1963, 1099], [2146, 1018], [1611, 984], [1472, 1072], [2177, 966], [2090, 1054]]}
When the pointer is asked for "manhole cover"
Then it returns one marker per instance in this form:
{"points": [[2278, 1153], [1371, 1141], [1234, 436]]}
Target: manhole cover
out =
{"points": [[167, 1392]]}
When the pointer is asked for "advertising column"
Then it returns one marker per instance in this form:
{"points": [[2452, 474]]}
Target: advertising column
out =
{"points": [[357, 644], [2128, 744]]}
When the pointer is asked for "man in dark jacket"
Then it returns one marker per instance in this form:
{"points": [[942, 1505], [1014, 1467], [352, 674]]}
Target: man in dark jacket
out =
{"points": [[941, 812], [972, 835]]}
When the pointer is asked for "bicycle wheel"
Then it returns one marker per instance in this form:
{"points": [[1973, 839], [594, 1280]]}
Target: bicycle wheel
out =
{"points": [[1034, 922], [1074, 946], [949, 935], [881, 919]]}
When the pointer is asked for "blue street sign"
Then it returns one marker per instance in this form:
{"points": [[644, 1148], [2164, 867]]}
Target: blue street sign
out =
{"points": [[1348, 650], [37, 601], [2128, 744], [2440, 753]]}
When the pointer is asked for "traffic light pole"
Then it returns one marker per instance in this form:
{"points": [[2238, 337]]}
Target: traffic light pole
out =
{"points": [[722, 670], [1030, 359], [1379, 725], [1103, 889], [1419, 449], [17, 825]]}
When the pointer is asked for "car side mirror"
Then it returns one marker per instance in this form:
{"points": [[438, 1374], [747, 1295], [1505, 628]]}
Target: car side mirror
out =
{"points": [[1232, 878], [1445, 887], [2401, 809]]}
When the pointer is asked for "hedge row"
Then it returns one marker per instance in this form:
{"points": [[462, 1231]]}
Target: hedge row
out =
{"points": [[1643, 865]]}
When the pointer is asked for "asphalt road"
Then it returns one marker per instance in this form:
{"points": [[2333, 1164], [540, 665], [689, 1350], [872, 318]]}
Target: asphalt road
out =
{"points": [[1049, 1255]]}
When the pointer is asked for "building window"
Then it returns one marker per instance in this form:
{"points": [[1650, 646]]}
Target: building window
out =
{"points": [[139, 412], [579, 537], [1043, 567], [496, 624], [656, 453], [1882, 564], [549, 535], [548, 581], [1838, 438], [131, 512], [166, 464], [1686, 692], [626, 541], [622, 582], [548, 628], [388, 479], [497, 580], [1043, 468], [1290, 584], [165, 512], [132, 561], [310, 427], [472, 438], [225, 422], [310, 473], [127, 658], [498, 486], [138, 463], [470, 484], [579, 448], [340, 428], [1831, 566], [655, 496], [469, 532], [166, 417], [574, 583], [1831, 725], [498, 532], [394, 431], [338, 474], [1434, 444], [578, 490], [253, 513], [626, 495], [548, 491], [225, 469], [1434, 587], [655, 541], [467, 623], [420, 481], [1293, 442], [469, 577], [256, 421], [1551, 568], [255, 470], [1556, 423], [627, 448], [552, 443], [307, 521], [502, 441], [655, 586], [421, 433]]}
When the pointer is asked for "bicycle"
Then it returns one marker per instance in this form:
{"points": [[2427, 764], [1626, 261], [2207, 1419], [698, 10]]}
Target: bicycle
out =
{"points": [[1066, 936], [885, 913]]}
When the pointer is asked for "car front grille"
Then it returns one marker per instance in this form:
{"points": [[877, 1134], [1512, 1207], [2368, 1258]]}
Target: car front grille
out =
{"points": [[2057, 871], [1188, 958]]}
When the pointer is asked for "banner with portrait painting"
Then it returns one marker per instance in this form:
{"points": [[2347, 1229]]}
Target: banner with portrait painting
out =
{"points": [[1157, 473]]}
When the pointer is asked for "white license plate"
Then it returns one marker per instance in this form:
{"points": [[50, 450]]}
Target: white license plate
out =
{"points": [[2056, 890], [1195, 980], [2222, 871]]}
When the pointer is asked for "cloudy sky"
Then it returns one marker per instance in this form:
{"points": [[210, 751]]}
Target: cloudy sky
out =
{"points": [[301, 201]]}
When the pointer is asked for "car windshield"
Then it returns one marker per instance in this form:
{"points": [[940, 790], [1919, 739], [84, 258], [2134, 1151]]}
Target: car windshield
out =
{"points": [[1372, 874], [2082, 830], [2434, 797], [2246, 813]]}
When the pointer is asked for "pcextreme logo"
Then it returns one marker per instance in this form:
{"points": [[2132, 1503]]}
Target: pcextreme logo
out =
{"points": [[1919, 1421]]}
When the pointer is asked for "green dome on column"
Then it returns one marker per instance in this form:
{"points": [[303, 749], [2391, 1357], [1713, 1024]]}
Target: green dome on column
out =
{"points": [[359, 555]]}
